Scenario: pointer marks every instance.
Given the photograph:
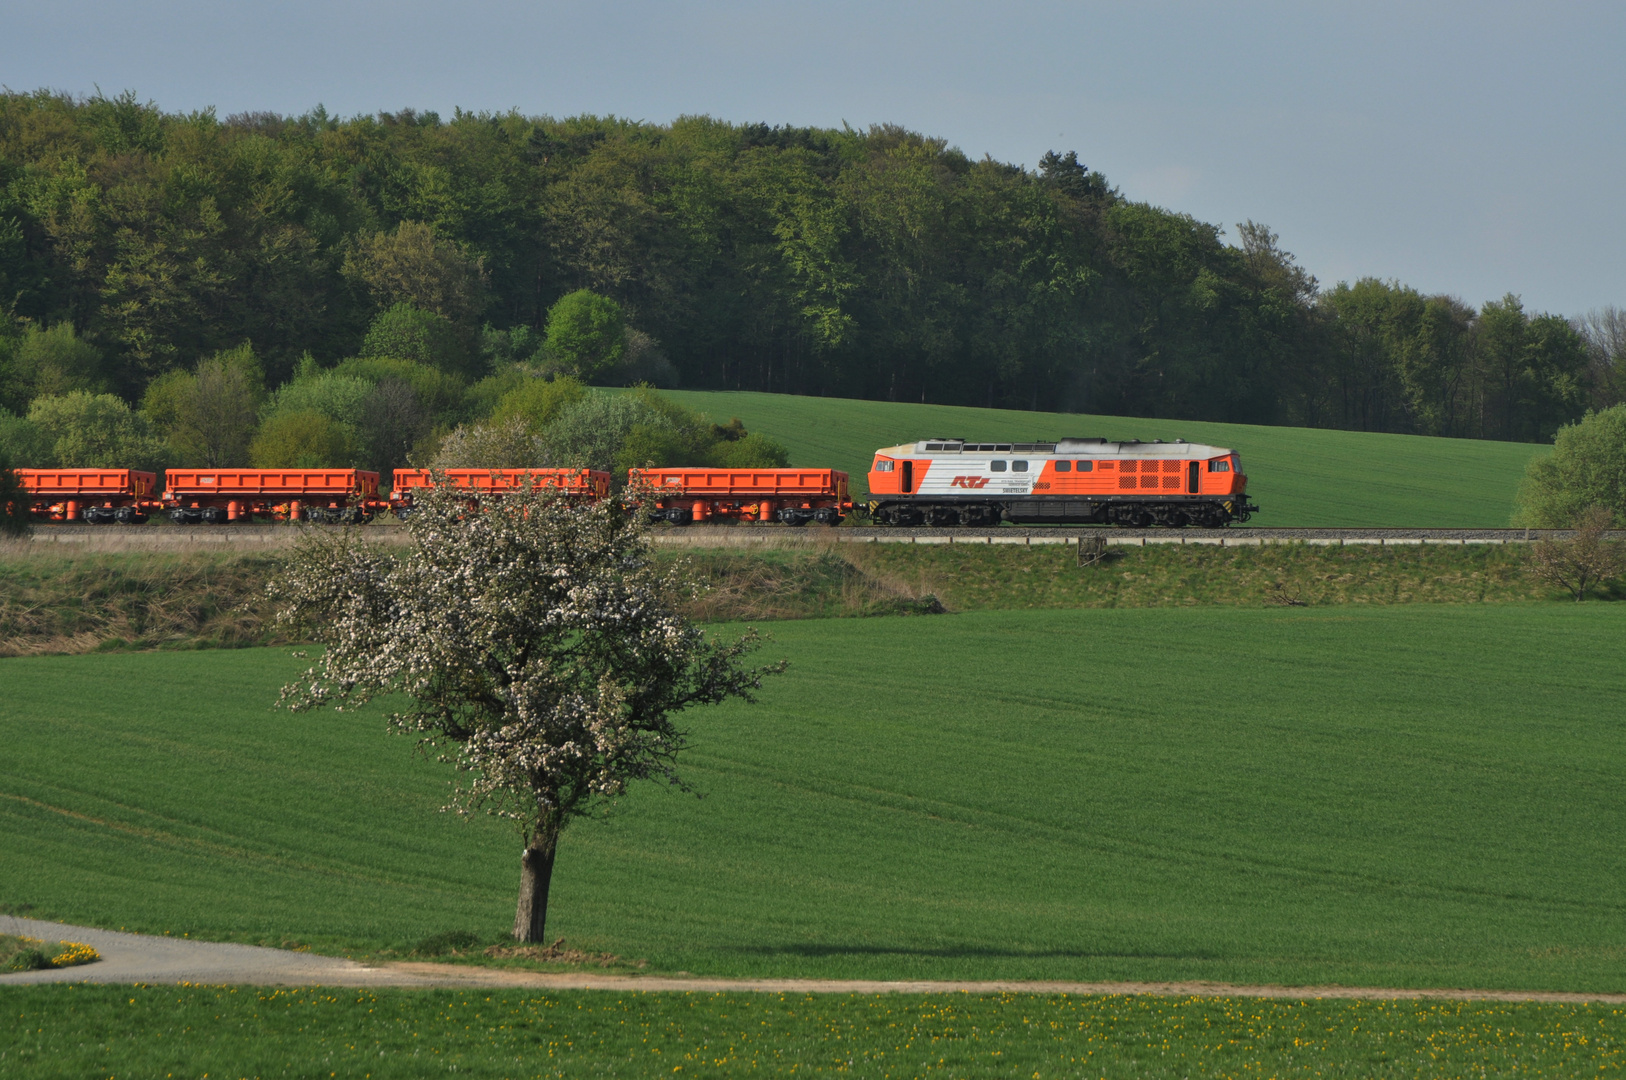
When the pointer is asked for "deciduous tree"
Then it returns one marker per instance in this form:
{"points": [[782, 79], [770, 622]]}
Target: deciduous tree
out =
{"points": [[533, 644], [586, 334], [1586, 469], [414, 265]]}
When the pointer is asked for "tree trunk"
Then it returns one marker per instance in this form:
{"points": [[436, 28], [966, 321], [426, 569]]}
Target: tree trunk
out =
{"points": [[535, 872]]}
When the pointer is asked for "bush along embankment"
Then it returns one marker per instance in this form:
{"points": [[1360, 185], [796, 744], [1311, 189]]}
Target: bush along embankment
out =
{"points": [[75, 602]]}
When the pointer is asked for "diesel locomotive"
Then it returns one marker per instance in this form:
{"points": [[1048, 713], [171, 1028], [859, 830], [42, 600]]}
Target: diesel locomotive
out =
{"points": [[945, 482]]}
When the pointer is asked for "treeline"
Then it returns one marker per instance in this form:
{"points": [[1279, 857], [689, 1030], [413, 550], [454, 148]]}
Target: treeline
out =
{"points": [[876, 264]]}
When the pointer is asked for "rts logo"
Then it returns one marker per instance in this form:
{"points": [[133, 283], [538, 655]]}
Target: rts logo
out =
{"points": [[969, 482]]}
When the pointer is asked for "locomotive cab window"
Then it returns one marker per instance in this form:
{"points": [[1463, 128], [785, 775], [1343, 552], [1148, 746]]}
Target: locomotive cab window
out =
{"points": [[1219, 466], [1019, 466], [1086, 466], [1064, 466], [884, 466], [996, 466]]}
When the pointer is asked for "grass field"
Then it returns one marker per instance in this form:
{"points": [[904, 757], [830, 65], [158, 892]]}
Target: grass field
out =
{"points": [[1415, 796], [84, 1031], [1300, 476]]}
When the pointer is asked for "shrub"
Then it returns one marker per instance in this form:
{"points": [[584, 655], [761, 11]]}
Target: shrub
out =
{"points": [[752, 451], [593, 433], [538, 402], [501, 348], [13, 502], [440, 393], [337, 397], [1581, 561], [1587, 468], [507, 445], [96, 431], [622, 431], [303, 440], [53, 362], [408, 333], [481, 399], [23, 443]]}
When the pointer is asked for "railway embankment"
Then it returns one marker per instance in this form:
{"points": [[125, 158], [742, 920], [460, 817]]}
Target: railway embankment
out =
{"points": [[165, 536], [206, 588]]}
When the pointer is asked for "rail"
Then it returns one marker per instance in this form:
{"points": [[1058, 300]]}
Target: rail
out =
{"points": [[165, 535]]}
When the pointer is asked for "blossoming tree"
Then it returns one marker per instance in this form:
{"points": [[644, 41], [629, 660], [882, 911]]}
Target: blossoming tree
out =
{"points": [[531, 642]]}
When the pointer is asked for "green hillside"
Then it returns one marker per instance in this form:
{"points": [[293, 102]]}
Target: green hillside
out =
{"points": [[1367, 796], [1300, 476]]}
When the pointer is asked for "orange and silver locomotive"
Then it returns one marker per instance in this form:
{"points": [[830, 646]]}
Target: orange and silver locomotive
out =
{"points": [[1069, 482]]}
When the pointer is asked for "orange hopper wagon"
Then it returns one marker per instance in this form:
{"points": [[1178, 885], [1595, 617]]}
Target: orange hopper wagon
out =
{"points": [[789, 496], [219, 496], [94, 496], [584, 484]]}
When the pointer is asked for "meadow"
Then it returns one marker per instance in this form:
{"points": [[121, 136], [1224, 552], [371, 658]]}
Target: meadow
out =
{"points": [[1412, 796], [80, 1031], [1304, 477]]}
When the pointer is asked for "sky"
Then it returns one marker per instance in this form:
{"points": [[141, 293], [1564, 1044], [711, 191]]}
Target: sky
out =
{"points": [[1475, 149]]}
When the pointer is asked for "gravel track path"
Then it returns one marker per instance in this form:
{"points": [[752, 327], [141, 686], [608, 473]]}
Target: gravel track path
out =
{"points": [[270, 537], [141, 958]]}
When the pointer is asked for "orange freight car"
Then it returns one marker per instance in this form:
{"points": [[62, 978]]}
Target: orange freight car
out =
{"points": [[789, 496], [586, 484], [95, 496], [218, 496]]}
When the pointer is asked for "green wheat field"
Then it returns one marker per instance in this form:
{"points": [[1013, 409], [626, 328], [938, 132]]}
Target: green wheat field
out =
{"points": [[1304, 477], [1415, 796]]}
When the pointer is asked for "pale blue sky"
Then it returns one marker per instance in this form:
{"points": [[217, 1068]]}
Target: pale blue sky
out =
{"points": [[1470, 148]]}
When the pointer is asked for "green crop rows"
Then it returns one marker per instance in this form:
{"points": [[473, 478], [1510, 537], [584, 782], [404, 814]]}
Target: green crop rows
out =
{"points": [[1416, 796], [1300, 476], [203, 1031]]}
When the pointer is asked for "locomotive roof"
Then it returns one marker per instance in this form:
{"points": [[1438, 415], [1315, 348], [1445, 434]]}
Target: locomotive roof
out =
{"points": [[1132, 448]]}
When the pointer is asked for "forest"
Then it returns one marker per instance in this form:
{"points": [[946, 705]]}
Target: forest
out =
{"points": [[435, 266]]}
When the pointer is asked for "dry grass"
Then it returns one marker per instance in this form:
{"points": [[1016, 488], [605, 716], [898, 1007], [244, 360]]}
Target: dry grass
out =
{"points": [[825, 581], [56, 601]]}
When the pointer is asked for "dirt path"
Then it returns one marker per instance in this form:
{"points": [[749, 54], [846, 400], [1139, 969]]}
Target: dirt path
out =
{"points": [[140, 958]]}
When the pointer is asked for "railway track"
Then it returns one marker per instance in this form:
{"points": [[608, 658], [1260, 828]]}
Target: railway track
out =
{"points": [[166, 536]]}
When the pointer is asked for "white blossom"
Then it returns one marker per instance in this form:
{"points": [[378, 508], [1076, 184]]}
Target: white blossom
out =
{"points": [[532, 642]]}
